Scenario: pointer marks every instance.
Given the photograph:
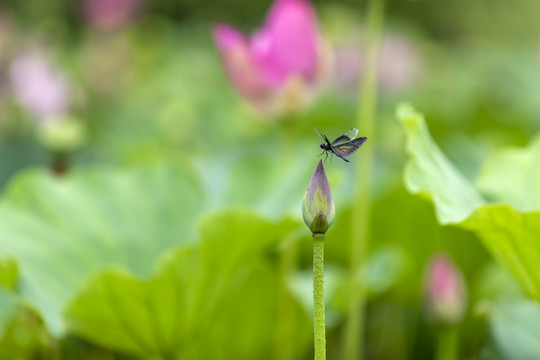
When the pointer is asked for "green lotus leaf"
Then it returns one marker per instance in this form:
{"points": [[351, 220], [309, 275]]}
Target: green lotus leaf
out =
{"points": [[8, 310], [60, 231], [430, 173], [509, 227], [513, 176], [228, 282], [514, 330]]}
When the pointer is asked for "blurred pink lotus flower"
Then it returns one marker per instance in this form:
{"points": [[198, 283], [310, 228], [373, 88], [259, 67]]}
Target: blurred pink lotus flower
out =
{"points": [[278, 68], [445, 291], [109, 15], [40, 88], [399, 63]]}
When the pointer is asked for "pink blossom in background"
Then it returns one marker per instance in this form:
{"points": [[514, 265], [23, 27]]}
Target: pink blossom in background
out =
{"points": [[445, 292], [38, 87], [278, 62], [108, 15], [108, 75], [399, 63]]}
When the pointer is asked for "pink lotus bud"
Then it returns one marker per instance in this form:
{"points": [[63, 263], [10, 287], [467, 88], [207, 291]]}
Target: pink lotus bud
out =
{"points": [[278, 67], [317, 207], [445, 291], [40, 88], [108, 15]]}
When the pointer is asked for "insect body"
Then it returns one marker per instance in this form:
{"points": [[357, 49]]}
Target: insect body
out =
{"points": [[344, 145]]}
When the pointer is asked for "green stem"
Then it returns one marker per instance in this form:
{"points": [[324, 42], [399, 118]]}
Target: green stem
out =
{"points": [[367, 100], [447, 343], [318, 296], [60, 163]]}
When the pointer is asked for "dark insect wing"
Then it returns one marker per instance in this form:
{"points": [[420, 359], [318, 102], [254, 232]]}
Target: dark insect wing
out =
{"points": [[323, 136], [344, 145], [348, 136], [338, 155], [348, 148], [341, 139]]}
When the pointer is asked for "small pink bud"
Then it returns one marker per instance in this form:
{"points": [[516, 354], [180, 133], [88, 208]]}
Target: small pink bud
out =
{"points": [[445, 291]]}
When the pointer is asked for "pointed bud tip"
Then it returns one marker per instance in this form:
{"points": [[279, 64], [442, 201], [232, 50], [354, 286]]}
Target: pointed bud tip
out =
{"points": [[319, 175], [319, 168]]}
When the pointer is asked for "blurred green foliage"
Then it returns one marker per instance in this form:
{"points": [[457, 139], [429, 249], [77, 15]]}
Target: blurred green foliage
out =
{"points": [[177, 233], [510, 225]]}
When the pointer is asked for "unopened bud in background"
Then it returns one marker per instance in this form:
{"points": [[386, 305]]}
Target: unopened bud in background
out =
{"points": [[445, 292]]}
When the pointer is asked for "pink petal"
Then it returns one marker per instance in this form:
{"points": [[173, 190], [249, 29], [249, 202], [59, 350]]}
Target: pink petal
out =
{"points": [[227, 37], [238, 63], [288, 43]]}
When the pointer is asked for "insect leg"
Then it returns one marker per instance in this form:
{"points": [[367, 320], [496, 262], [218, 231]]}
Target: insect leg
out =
{"points": [[342, 157]]}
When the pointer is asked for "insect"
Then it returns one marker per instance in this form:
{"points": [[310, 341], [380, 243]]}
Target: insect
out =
{"points": [[344, 145]]}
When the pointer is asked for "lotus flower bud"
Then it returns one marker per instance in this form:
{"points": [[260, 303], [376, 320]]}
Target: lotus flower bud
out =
{"points": [[317, 207], [278, 68], [445, 292]]}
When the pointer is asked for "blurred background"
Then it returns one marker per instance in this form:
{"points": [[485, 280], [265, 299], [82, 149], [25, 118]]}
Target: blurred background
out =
{"points": [[153, 162]]}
